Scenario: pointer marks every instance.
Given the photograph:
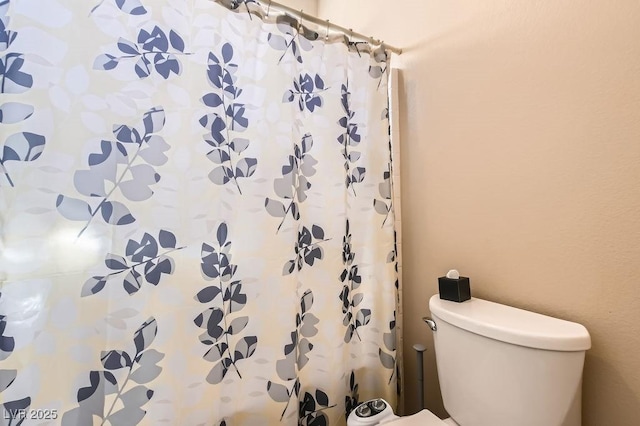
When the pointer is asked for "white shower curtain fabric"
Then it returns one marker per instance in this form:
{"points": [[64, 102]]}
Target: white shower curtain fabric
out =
{"points": [[196, 217]]}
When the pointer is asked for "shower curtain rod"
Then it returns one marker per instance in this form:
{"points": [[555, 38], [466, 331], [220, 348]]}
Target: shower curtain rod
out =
{"points": [[346, 31]]}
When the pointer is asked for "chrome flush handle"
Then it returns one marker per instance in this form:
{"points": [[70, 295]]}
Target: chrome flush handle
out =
{"points": [[431, 323]]}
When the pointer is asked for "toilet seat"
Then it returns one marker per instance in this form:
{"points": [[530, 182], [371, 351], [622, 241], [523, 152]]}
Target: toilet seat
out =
{"points": [[423, 418], [378, 412]]}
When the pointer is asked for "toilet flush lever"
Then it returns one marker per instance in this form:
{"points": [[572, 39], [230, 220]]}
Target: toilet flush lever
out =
{"points": [[431, 323]]}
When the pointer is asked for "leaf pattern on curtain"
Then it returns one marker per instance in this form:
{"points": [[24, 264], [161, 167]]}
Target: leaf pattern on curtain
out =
{"points": [[120, 368], [307, 249], [221, 321], [132, 7], [7, 343], [312, 408], [11, 410], [354, 316], [154, 50], [145, 256], [292, 42], [292, 187], [22, 146], [235, 4], [14, 411], [307, 90], [138, 149], [295, 359], [134, 201], [386, 354], [380, 68], [222, 75], [384, 206], [352, 400], [350, 138]]}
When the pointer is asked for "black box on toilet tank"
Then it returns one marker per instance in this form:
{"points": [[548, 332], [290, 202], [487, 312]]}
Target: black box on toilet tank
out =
{"points": [[454, 289]]}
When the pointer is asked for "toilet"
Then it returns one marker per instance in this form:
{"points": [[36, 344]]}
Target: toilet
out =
{"points": [[498, 366]]}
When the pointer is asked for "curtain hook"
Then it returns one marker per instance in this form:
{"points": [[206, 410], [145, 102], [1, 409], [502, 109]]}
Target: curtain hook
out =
{"points": [[300, 26], [268, 8], [326, 36]]}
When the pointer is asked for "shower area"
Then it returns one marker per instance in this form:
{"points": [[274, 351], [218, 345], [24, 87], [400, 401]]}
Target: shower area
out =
{"points": [[197, 216]]}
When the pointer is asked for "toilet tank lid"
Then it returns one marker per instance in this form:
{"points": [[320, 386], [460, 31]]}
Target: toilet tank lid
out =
{"points": [[512, 325]]}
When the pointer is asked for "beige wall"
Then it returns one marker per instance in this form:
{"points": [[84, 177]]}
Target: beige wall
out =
{"points": [[307, 6], [521, 167]]}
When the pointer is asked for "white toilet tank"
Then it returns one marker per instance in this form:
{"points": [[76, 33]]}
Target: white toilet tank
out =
{"points": [[503, 366]]}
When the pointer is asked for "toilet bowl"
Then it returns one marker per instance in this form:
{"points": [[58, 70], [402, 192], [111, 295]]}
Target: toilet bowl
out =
{"points": [[498, 366]]}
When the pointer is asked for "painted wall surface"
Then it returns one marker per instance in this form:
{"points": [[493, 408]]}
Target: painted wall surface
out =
{"points": [[521, 167], [307, 6]]}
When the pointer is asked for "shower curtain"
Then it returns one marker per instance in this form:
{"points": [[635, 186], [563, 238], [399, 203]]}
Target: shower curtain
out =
{"points": [[196, 220]]}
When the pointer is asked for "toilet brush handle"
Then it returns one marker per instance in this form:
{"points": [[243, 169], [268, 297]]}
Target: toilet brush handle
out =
{"points": [[420, 358]]}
